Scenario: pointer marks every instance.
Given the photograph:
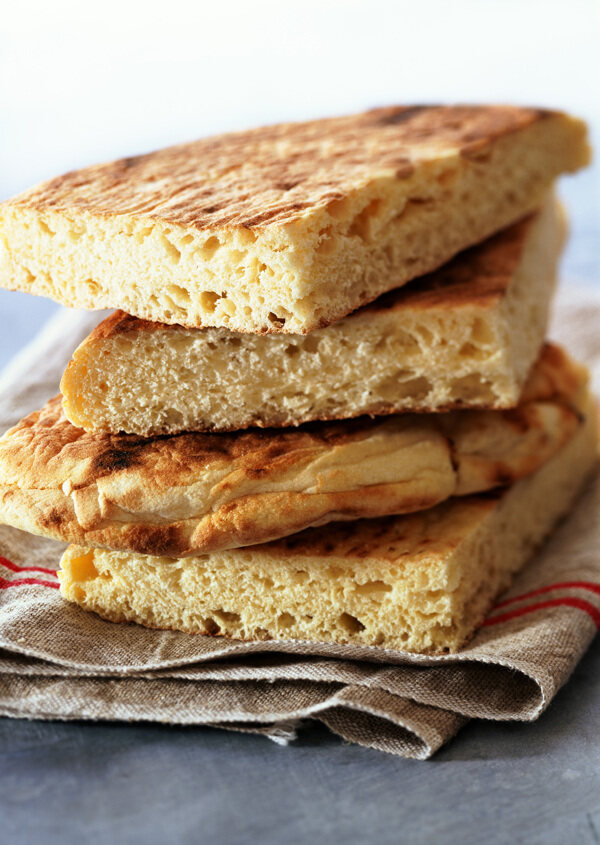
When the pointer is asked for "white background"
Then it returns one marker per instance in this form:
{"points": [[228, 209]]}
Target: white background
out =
{"points": [[82, 82]]}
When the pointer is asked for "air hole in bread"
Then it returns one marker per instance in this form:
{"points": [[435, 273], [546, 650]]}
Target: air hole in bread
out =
{"points": [[227, 617], [400, 385], [173, 253], [74, 234], [472, 386], [327, 242], [92, 287], [246, 237], [208, 300], [175, 310], [481, 333], [179, 294], [226, 306], [46, 229], [210, 247], [373, 588], [425, 335], [361, 225], [350, 623], [338, 208], [211, 627], [277, 321], [144, 233], [286, 620]]}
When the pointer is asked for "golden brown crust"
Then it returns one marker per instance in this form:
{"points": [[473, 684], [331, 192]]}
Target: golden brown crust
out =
{"points": [[273, 174], [193, 493]]}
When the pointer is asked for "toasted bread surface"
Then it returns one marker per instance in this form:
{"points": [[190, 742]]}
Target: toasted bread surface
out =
{"points": [[285, 228]]}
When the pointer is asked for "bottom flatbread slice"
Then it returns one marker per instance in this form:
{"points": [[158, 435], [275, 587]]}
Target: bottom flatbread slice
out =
{"points": [[418, 583]]}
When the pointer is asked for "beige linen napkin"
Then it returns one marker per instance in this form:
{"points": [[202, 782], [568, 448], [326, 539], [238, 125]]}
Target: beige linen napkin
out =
{"points": [[58, 662]]}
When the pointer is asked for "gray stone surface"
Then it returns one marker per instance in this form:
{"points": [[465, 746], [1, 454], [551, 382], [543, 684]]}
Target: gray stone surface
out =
{"points": [[495, 783]]}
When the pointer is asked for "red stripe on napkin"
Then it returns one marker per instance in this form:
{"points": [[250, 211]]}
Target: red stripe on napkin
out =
{"points": [[8, 564], [568, 601], [4, 584], [564, 585]]}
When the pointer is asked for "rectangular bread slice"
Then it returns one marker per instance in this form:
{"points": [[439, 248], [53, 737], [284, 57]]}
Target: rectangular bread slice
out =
{"points": [[285, 228], [194, 493], [466, 336], [418, 583]]}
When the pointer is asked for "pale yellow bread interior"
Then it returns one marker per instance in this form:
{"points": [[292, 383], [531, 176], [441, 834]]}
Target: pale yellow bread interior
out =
{"points": [[417, 583], [195, 493], [467, 335], [285, 228]]}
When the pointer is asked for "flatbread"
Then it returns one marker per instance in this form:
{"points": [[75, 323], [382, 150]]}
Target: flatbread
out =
{"points": [[194, 493], [287, 228], [466, 336], [420, 583]]}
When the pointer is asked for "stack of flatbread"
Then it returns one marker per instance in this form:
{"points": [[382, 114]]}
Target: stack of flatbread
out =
{"points": [[325, 409]]}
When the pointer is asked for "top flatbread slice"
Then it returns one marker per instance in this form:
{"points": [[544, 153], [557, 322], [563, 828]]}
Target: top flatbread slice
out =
{"points": [[285, 228]]}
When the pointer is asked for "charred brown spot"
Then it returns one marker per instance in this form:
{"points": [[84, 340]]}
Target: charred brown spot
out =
{"points": [[501, 476], [158, 540], [53, 518], [115, 459], [404, 170], [132, 161], [518, 419], [271, 214], [196, 184], [288, 185], [393, 117]]}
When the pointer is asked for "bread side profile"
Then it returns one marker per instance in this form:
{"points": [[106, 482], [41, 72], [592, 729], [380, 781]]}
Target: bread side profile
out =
{"points": [[467, 335], [417, 583], [194, 493], [286, 228]]}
